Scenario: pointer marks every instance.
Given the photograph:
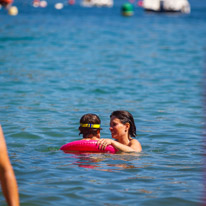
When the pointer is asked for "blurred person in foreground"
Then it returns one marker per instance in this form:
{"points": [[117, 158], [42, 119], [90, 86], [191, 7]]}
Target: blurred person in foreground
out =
{"points": [[7, 176]]}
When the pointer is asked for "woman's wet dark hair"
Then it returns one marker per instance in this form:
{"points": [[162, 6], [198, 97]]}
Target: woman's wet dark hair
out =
{"points": [[89, 119], [125, 117]]}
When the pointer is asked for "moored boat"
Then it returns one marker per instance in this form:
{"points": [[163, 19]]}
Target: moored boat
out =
{"points": [[97, 3], [181, 6]]}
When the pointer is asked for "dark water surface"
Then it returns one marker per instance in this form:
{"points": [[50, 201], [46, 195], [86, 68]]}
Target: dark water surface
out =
{"points": [[57, 65]]}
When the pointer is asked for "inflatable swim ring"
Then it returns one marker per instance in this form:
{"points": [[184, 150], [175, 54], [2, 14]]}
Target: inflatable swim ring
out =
{"points": [[86, 146]]}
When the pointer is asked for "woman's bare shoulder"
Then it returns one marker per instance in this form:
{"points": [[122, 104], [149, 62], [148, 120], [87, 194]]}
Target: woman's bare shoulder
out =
{"points": [[135, 144]]}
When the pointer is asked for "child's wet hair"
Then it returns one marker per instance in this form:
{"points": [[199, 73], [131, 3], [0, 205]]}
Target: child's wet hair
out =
{"points": [[89, 119]]}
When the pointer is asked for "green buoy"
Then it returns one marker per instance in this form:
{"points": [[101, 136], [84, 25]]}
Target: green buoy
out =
{"points": [[127, 9]]}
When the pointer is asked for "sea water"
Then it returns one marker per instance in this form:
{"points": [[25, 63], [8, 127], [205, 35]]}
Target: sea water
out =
{"points": [[56, 65]]}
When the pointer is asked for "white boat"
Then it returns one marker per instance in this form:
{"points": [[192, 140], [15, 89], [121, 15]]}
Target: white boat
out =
{"points": [[182, 6], [97, 3]]}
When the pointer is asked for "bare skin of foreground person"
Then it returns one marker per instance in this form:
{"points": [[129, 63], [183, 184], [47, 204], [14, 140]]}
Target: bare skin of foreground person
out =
{"points": [[7, 176]]}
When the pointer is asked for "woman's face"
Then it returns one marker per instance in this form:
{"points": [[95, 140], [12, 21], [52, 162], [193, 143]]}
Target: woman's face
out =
{"points": [[118, 130]]}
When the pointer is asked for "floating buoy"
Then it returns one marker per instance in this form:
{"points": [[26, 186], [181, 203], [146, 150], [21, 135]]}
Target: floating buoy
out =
{"points": [[58, 6], [13, 11], [6, 3], [140, 3], [43, 4], [71, 2], [36, 3], [127, 9]]}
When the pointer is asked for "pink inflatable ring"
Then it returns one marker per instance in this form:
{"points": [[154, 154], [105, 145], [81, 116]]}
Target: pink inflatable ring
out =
{"points": [[86, 146]]}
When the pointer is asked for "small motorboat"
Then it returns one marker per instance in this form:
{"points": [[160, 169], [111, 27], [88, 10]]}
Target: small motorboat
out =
{"points": [[97, 3], [181, 6]]}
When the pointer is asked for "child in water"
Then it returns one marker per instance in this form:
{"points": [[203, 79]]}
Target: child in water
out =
{"points": [[90, 127]]}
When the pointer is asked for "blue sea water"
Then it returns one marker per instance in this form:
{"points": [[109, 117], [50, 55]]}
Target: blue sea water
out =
{"points": [[56, 66]]}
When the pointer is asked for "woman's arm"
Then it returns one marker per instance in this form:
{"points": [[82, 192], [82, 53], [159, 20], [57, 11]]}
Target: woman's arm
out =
{"points": [[7, 176], [134, 145]]}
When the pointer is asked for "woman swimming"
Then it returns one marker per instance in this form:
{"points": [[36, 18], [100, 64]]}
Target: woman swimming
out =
{"points": [[122, 129]]}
